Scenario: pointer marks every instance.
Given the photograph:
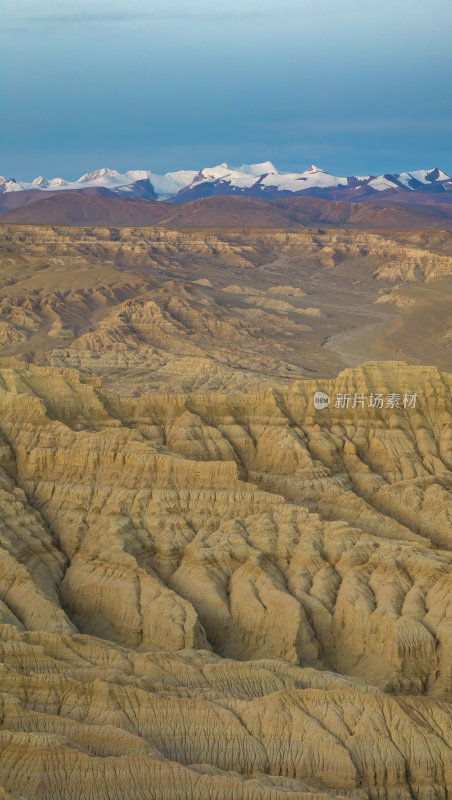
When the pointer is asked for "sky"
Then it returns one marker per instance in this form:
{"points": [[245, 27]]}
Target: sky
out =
{"points": [[353, 86]]}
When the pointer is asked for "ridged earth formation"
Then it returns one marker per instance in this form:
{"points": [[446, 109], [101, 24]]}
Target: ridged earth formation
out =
{"points": [[209, 595], [218, 309], [210, 589]]}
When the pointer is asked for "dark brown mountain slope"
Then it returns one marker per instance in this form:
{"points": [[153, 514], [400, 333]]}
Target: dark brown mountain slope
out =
{"points": [[77, 208], [66, 208], [297, 211]]}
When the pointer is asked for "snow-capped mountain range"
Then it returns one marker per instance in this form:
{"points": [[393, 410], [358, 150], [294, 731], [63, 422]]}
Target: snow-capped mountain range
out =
{"points": [[255, 180]]}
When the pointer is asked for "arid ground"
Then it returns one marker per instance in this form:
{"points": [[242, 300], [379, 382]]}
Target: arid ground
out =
{"points": [[208, 588]]}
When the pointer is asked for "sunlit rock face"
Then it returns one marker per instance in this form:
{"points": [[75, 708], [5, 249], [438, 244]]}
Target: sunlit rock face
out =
{"points": [[226, 594]]}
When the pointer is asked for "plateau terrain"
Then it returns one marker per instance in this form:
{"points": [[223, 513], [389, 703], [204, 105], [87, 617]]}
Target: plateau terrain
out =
{"points": [[210, 588]]}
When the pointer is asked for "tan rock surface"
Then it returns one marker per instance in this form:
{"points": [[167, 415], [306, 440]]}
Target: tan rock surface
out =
{"points": [[225, 595], [209, 589], [215, 309]]}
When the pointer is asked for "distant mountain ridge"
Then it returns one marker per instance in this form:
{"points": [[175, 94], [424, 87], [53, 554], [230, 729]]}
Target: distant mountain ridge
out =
{"points": [[250, 180], [100, 206]]}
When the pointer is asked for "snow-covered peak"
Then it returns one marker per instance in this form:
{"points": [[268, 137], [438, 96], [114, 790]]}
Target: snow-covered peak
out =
{"points": [[10, 185], [265, 168], [234, 176], [135, 175], [90, 177], [53, 183], [165, 186], [312, 169], [424, 176], [316, 177], [382, 183], [438, 174], [213, 173], [250, 179], [40, 181]]}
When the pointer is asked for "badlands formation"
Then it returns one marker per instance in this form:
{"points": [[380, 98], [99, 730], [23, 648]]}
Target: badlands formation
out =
{"points": [[208, 588]]}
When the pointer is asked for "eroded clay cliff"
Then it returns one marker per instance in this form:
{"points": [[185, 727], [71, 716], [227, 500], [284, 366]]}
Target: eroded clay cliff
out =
{"points": [[226, 595]]}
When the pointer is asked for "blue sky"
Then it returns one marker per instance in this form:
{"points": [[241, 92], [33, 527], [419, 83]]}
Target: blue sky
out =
{"points": [[354, 86]]}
